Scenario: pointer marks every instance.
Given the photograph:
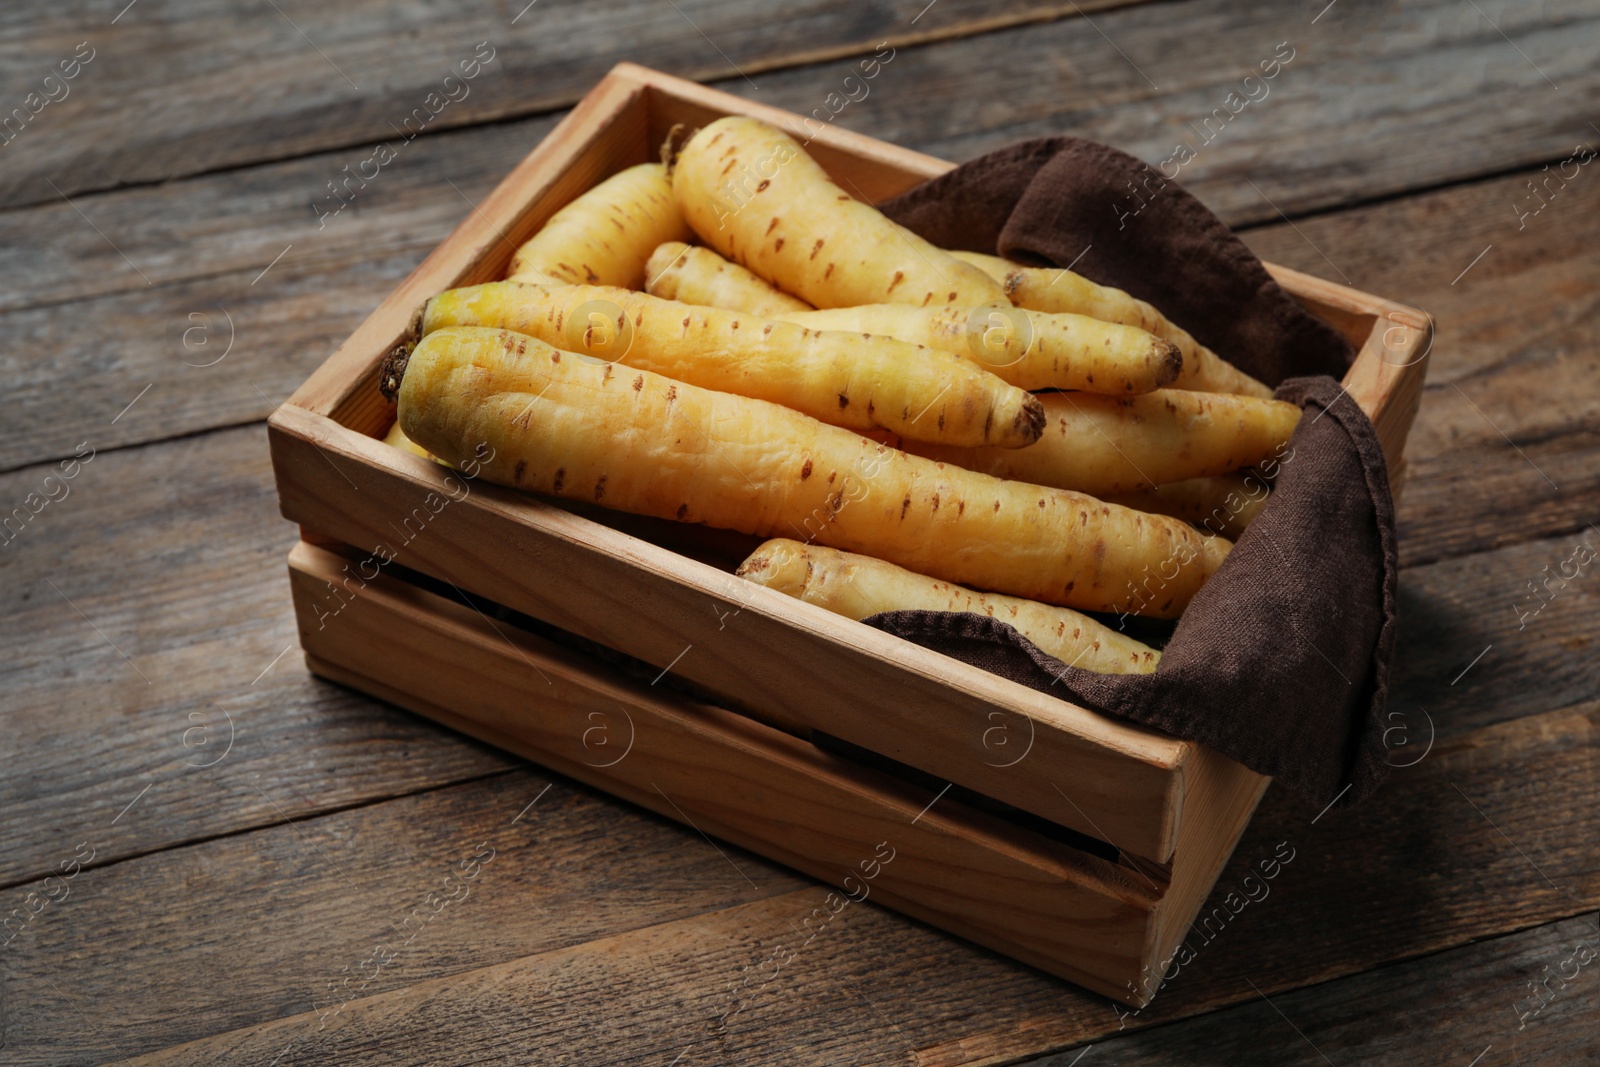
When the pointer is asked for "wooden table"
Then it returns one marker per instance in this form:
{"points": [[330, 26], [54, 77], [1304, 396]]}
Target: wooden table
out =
{"points": [[209, 856]]}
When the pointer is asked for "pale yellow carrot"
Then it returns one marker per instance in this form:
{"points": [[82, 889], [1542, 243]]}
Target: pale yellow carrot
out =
{"points": [[696, 275], [1223, 504], [1104, 445], [857, 586], [606, 235], [863, 383], [752, 194], [1029, 349], [396, 438], [526, 415], [1061, 291]]}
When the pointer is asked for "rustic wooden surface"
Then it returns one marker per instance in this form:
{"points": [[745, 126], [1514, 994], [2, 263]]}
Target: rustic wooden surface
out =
{"points": [[254, 832]]}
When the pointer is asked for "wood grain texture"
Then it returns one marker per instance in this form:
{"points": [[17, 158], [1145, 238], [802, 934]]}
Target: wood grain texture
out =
{"points": [[173, 554], [238, 221], [1504, 447], [184, 358], [239, 931], [1418, 872], [241, 218], [1532, 658], [1378, 99], [177, 89], [1480, 1004], [203, 243], [1083, 917], [1406, 80]]}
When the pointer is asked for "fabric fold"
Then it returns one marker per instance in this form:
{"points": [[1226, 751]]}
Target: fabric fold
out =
{"points": [[1282, 660]]}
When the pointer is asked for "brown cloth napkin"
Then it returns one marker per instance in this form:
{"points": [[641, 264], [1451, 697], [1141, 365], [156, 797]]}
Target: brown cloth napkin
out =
{"points": [[1282, 660]]}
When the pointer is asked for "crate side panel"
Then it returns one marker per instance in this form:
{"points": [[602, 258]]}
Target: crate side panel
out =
{"points": [[1221, 796], [745, 642], [1070, 914]]}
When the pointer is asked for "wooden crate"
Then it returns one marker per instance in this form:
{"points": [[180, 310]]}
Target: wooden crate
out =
{"points": [[1088, 856]]}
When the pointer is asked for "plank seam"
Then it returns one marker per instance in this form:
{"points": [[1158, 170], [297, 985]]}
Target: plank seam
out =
{"points": [[297, 820], [1401, 961], [704, 76]]}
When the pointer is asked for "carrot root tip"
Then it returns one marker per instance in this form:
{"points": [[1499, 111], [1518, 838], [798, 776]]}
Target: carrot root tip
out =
{"points": [[393, 371], [1031, 419], [1172, 357]]}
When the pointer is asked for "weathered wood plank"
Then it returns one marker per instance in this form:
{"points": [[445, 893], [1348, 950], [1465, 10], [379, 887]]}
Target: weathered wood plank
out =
{"points": [[1491, 1004], [134, 114], [146, 238], [1476, 647], [146, 620], [1377, 99], [643, 997], [171, 89], [250, 293], [289, 920], [923, 98], [1420, 869], [1505, 444], [184, 358]]}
